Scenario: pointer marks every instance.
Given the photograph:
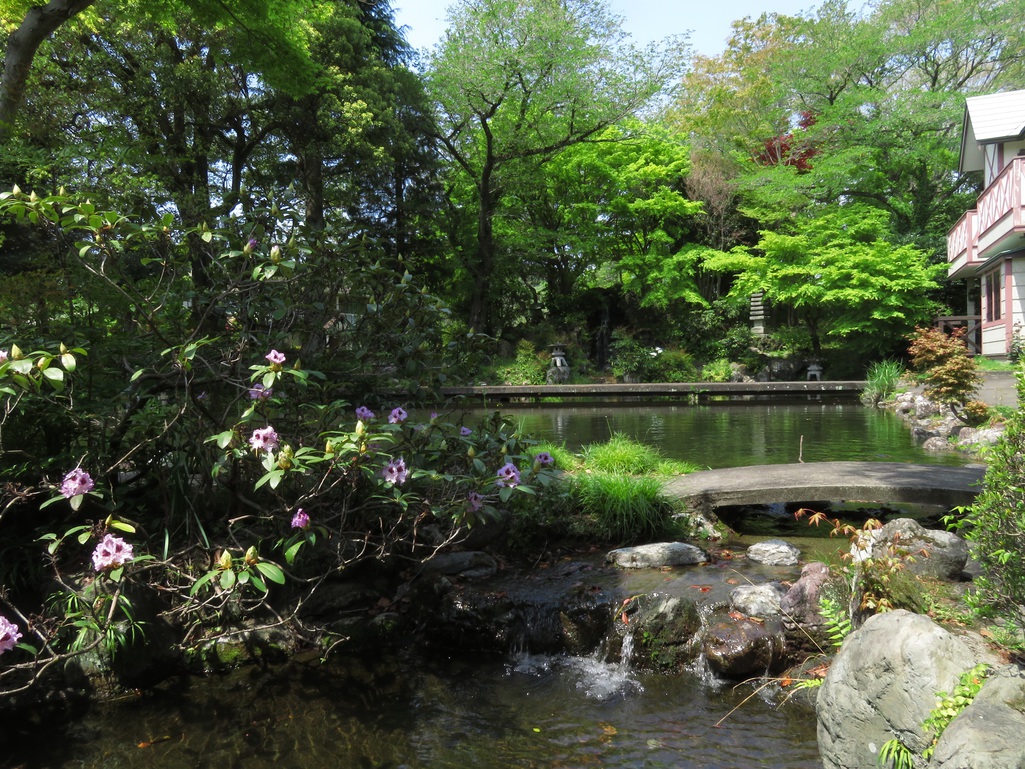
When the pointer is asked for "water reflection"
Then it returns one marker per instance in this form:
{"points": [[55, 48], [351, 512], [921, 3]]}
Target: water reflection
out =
{"points": [[732, 434]]}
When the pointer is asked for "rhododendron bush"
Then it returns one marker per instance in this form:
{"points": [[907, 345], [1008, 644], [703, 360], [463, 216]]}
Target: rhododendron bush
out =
{"points": [[196, 415]]}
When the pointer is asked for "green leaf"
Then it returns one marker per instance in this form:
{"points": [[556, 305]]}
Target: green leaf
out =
{"points": [[201, 581], [227, 579], [271, 571], [122, 526], [292, 551]]}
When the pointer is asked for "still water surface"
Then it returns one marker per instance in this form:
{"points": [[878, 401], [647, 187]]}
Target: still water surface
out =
{"points": [[733, 434], [428, 713]]}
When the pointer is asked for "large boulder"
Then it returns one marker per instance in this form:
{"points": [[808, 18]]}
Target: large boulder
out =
{"points": [[988, 733], [934, 553], [803, 624], [882, 685]]}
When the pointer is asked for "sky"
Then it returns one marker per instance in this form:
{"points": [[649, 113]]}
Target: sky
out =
{"points": [[645, 20]]}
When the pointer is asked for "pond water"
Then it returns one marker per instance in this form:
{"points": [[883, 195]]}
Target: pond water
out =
{"points": [[737, 433], [429, 713], [425, 712]]}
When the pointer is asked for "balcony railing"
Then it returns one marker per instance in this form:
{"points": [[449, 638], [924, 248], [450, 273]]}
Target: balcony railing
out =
{"points": [[999, 214]]}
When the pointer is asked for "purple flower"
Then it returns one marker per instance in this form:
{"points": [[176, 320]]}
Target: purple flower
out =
{"points": [[475, 501], [544, 459], [276, 358], [252, 244], [395, 472], [9, 635], [464, 431], [260, 393], [364, 414], [111, 553], [508, 475], [78, 481], [398, 415], [301, 519], [264, 440]]}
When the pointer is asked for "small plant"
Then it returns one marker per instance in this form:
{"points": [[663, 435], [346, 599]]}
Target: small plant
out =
{"points": [[621, 454], [950, 705], [717, 371], [882, 379], [896, 754], [838, 621]]}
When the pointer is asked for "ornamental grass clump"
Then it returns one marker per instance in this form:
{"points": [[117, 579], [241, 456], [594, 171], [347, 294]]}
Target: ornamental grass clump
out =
{"points": [[625, 508], [882, 379]]}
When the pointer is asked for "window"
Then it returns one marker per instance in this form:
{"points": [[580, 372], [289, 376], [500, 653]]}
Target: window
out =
{"points": [[994, 294]]}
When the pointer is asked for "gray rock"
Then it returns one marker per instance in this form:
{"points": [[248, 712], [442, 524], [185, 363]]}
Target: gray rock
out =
{"points": [[883, 685], [988, 733], [803, 625], [757, 600], [974, 437], [774, 552], [657, 555], [471, 565], [665, 629], [935, 553], [739, 648]]}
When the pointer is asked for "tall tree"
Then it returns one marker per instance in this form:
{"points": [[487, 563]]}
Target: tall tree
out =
{"points": [[518, 81]]}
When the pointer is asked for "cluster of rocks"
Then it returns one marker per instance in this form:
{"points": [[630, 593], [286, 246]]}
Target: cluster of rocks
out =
{"points": [[937, 428]]}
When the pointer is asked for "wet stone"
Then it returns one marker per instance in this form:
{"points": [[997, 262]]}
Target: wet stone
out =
{"points": [[657, 555], [774, 552]]}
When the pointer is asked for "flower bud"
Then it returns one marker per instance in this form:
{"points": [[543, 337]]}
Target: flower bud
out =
{"points": [[471, 453], [275, 254], [16, 190], [251, 556], [224, 562]]}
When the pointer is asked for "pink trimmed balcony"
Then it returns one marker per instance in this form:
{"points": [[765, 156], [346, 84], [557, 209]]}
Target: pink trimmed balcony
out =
{"points": [[996, 224]]}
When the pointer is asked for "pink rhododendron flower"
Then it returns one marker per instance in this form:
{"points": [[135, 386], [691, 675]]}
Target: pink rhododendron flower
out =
{"points": [[544, 459], [301, 519], [508, 475], [264, 439], [398, 415], [364, 414], [111, 552], [475, 501], [276, 358], [464, 431], [78, 481], [395, 472], [3, 355], [9, 635]]}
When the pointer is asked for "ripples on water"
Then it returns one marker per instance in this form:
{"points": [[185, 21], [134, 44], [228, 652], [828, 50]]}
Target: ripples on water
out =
{"points": [[542, 712]]}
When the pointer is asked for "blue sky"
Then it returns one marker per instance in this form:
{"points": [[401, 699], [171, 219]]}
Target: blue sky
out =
{"points": [[645, 20]]}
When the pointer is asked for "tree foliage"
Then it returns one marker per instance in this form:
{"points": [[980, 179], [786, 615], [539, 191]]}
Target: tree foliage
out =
{"points": [[517, 83]]}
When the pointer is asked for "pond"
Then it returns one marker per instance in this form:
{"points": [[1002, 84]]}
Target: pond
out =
{"points": [[421, 711], [737, 433]]}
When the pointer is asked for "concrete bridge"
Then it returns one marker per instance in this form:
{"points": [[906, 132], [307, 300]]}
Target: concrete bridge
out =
{"points": [[879, 482]]}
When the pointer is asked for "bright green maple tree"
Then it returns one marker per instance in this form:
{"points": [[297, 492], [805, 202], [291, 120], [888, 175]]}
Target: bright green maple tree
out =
{"points": [[843, 277]]}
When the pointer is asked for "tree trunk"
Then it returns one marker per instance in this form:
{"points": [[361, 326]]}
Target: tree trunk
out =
{"points": [[39, 23]]}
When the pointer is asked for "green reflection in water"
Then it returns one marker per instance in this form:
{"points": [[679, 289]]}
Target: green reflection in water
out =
{"points": [[733, 434]]}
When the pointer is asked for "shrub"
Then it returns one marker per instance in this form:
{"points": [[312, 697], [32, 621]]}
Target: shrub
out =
{"points": [[529, 368], [717, 371], [995, 523], [950, 374]]}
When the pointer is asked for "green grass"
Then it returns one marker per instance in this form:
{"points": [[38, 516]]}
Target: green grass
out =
{"points": [[564, 458], [626, 508], [882, 379], [621, 454], [992, 364]]}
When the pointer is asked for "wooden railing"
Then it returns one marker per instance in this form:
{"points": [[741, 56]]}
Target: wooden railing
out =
{"points": [[972, 325]]}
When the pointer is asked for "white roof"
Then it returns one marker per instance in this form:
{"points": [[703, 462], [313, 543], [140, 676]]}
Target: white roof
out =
{"points": [[991, 118]]}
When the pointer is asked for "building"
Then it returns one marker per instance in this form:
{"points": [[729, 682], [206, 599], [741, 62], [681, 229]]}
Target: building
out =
{"points": [[988, 243]]}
